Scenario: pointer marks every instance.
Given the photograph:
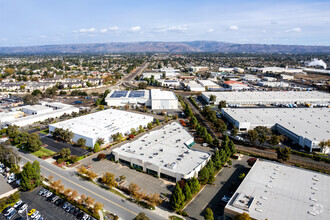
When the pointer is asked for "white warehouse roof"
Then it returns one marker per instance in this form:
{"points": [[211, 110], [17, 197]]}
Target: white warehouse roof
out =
{"points": [[167, 149], [311, 123], [269, 97], [276, 191], [103, 123]]}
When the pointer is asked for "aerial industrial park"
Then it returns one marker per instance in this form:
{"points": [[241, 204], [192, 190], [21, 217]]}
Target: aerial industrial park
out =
{"points": [[113, 111]]}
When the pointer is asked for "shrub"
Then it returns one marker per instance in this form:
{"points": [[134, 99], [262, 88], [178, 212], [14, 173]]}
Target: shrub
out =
{"points": [[101, 156]]}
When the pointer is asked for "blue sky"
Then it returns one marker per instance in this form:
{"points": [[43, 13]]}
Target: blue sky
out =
{"points": [[41, 22]]}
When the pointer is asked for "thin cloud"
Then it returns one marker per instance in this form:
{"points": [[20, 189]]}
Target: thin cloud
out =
{"points": [[113, 28], [233, 28], [296, 29], [178, 28], [85, 30], [104, 30], [135, 29], [210, 30]]}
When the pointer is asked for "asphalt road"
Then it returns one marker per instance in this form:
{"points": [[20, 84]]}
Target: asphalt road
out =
{"points": [[112, 202]]}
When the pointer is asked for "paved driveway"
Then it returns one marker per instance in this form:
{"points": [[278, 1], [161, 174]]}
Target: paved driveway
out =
{"points": [[212, 194]]}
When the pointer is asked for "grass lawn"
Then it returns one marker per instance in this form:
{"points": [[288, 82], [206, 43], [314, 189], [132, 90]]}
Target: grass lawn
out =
{"points": [[43, 152], [46, 131]]}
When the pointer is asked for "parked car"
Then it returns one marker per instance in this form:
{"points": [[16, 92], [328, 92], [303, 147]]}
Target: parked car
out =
{"points": [[54, 198], [8, 211], [41, 191], [35, 214], [72, 210], [31, 211], [11, 214], [18, 204], [49, 194], [37, 217], [76, 211], [226, 199], [65, 205], [22, 208], [67, 209]]}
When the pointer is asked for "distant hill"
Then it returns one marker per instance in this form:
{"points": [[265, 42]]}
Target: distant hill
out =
{"points": [[177, 47]]}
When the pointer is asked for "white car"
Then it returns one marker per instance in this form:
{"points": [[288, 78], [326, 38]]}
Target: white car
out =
{"points": [[9, 211], [35, 214], [18, 204], [37, 217], [49, 194], [23, 208]]}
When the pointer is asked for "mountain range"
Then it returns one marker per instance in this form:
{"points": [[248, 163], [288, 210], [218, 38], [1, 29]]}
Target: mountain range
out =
{"points": [[164, 47]]}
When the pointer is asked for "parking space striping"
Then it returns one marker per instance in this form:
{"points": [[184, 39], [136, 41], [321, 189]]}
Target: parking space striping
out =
{"points": [[86, 189]]}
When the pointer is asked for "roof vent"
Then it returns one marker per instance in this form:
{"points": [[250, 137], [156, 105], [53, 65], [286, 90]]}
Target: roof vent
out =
{"points": [[312, 213], [314, 188], [258, 210], [315, 200], [263, 197]]}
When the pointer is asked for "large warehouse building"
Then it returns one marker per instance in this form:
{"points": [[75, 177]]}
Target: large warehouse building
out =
{"points": [[154, 98], [29, 114], [277, 191], [305, 126], [165, 152], [266, 98], [102, 124]]}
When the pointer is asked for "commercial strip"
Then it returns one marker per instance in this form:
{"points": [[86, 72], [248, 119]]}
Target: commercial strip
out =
{"points": [[165, 153], [235, 85], [29, 114], [305, 126], [277, 191], [154, 98], [102, 124], [267, 98]]}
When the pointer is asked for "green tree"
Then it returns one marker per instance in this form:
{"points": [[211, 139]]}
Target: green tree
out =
{"points": [[212, 98], [252, 136], [232, 147], [21, 138], [141, 216], [203, 175], [262, 138], [96, 147], [234, 132], [100, 141], [65, 153], [12, 131], [274, 140], [187, 192], [81, 142], [33, 143], [208, 214], [222, 104], [283, 153], [30, 176], [142, 85], [30, 100], [157, 122], [177, 198], [194, 185], [243, 216], [36, 92], [149, 126]]}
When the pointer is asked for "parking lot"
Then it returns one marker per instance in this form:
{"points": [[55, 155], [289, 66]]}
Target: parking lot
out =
{"points": [[47, 209], [147, 182], [56, 146], [225, 184]]}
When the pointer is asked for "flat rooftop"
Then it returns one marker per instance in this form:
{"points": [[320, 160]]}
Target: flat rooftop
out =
{"points": [[272, 96], [276, 191], [312, 123], [208, 83], [36, 107], [158, 94], [103, 122], [166, 149]]}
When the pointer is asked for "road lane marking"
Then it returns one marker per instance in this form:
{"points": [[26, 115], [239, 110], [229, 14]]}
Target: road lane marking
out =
{"points": [[85, 188]]}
